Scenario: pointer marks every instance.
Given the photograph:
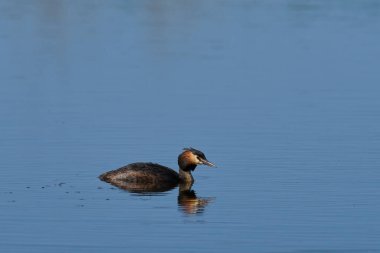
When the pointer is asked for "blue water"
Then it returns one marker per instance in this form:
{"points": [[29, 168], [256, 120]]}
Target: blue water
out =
{"points": [[282, 95]]}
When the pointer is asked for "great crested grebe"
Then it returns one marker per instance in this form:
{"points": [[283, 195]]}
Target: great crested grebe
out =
{"points": [[153, 174]]}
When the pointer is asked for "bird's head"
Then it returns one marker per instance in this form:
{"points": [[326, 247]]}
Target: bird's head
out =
{"points": [[191, 157]]}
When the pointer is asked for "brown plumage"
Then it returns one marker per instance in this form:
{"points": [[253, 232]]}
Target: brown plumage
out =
{"points": [[142, 173], [153, 175]]}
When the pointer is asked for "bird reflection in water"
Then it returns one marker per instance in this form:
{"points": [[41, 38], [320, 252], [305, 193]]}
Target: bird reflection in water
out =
{"points": [[188, 201]]}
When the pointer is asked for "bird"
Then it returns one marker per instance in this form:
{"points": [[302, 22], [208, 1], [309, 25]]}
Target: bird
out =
{"points": [[156, 177]]}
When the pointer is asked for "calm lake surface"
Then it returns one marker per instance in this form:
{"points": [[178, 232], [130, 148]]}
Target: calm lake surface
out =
{"points": [[284, 96]]}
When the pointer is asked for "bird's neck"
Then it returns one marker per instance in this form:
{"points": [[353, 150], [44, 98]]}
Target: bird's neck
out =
{"points": [[185, 176]]}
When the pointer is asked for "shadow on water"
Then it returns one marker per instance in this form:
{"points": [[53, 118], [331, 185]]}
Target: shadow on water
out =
{"points": [[188, 201]]}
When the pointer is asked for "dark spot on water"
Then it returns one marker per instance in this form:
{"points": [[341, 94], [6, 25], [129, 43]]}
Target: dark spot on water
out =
{"points": [[28, 187], [195, 221], [67, 192], [99, 187], [107, 199], [60, 184], [161, 207]]}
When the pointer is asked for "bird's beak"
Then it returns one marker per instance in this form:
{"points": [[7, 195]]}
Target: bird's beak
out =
{"points": [[205, 162]]}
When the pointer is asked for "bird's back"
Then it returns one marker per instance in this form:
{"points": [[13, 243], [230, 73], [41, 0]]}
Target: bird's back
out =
{"points": [[142, 173]]}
